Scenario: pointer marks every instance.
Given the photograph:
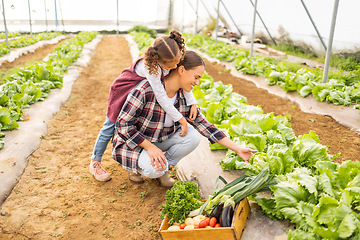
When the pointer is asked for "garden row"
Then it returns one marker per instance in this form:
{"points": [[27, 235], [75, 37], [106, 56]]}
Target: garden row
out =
{"points": [[33, 83], [320, 196], [25, 41], [10, 35], [343, 88]]}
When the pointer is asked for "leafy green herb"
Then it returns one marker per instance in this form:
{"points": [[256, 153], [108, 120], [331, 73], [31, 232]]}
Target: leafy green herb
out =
{"points": [[181, 199]]}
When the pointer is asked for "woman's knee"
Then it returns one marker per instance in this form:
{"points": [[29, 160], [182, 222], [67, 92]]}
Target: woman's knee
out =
{"points": [[194, 137]]}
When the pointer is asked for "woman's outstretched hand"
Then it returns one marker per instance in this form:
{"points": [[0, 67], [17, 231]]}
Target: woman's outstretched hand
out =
{"points": [[245, 153]]}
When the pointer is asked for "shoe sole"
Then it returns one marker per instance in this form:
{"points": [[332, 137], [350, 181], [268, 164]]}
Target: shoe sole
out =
{"points": [[99, 179], [138, 182]]}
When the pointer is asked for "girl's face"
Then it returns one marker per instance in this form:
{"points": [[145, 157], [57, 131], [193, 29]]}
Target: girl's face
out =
{"points": [[190, 78], [170, 64]]}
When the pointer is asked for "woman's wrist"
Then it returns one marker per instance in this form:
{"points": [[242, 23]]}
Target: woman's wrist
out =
{"points": [[146, 145], [182, 121]]}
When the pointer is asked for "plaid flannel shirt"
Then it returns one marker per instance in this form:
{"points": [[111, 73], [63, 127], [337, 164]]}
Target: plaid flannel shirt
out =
{"points": [[143, 118]]}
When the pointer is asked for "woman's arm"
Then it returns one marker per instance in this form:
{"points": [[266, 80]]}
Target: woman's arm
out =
{"points": [[244, 153], [210, 131]]}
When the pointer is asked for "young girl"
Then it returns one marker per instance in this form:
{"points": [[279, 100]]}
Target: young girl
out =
{"points": [[162, 56]]}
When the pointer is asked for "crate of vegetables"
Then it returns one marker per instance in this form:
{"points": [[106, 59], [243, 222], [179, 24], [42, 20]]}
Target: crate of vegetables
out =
{"points": [[223, 215], [207, 228]]}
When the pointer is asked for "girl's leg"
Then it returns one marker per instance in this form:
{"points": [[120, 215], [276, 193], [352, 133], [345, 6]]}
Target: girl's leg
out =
{"points": [[105, 134]]}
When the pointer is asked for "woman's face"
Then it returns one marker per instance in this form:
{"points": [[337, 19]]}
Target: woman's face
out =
{"points": [[190, 78]]}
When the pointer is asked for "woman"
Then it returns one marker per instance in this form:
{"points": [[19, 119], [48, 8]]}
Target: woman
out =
{"points": [[143, 130]]}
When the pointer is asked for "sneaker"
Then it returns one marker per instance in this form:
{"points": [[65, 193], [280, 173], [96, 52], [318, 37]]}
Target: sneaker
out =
{"points": [[136, 177], [99, 172], [166, 180]]}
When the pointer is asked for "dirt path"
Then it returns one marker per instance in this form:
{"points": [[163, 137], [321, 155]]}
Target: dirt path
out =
{"points": [[57, 198]]}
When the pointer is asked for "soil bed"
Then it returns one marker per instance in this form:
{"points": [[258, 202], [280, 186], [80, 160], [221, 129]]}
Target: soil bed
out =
{"points": [[57, 196], [38, 55]]}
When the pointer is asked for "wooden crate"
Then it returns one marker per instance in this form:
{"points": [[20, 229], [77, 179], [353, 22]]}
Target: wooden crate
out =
{"points": [[222, 233]]}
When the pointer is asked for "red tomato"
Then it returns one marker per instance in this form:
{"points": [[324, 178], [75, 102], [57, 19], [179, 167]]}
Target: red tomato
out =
{"points": [[207, 221], [202, 224], [217, 225], [196, 226], [182, 226], [212, 222]]}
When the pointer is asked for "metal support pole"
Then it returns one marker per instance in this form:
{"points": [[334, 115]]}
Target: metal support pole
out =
{"points": [[331, 37], [313, 23], [267, 30], [56, 23], [30, 19], [117, 17], [253, 30], [197, 16], [62, 19], [46, 21], [217, 21], [170, 15], [231, 18], [6, 32]]}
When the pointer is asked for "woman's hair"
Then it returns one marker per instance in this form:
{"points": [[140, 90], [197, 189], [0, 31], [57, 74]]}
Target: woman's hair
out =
{"points": [[191, 60], [164, 48]]}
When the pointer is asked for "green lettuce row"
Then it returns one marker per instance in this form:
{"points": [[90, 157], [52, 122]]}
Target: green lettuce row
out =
{"points": [[142, 39], [306, 175], [278, 147], [343, 88], [26, 41], [33, 83], [10, 35]]}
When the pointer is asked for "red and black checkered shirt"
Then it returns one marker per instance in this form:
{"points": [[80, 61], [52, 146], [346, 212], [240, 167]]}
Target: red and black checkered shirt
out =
{"points": [[143, 118]]}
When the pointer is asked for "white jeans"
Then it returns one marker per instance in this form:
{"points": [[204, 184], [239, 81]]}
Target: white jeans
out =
{"points": [[176, 148]]}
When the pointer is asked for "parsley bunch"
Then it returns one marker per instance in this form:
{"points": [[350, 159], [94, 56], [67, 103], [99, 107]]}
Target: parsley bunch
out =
{"points": [[181, 199]]}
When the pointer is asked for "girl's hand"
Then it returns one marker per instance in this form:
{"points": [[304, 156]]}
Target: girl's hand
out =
{"points": [[193, 112], [184, 127], [245, 153], [157, 157]]}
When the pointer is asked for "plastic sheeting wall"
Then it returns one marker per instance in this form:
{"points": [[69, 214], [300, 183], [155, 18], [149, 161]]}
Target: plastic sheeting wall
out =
{"points": [[101, 15], [290, 14], [84, 14]]}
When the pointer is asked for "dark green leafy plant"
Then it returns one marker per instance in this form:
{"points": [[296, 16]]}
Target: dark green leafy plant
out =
{"points": [[181, 199], [140, 28]]}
